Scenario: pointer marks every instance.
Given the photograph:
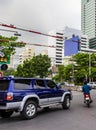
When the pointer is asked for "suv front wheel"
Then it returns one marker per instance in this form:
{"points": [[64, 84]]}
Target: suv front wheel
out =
{"points": [[66, 103], [30, 110]]}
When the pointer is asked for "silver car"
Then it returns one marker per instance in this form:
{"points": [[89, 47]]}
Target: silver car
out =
{"points": [[92, 84]]}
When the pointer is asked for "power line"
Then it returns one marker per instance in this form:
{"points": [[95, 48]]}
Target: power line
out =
{"points": [[31, 31], [5, 40], [8, 30]]}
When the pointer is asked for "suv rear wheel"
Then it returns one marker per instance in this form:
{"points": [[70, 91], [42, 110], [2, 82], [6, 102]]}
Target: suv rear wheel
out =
{"points": [[66, 103], [30, 110]]}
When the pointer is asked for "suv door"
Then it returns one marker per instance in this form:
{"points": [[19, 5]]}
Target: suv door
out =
{"points": [[55, 94], [41, 91]]}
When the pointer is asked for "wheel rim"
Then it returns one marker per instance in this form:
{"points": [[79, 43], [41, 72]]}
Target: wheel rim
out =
{"points": [[30, 110], [68, 102]]}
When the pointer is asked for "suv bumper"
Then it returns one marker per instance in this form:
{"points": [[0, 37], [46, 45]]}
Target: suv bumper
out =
{"points": [[11, 105]]}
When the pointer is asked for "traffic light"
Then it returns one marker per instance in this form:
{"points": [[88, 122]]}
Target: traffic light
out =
{"points": [[4, 67]]}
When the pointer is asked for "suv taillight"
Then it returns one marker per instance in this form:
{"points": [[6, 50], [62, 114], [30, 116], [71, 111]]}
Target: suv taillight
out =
{"points": [[9, 96]]}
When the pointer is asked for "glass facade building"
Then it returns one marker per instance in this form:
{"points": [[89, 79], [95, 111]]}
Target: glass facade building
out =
{"points": [[88, 18], [88, 21], [71, 46]]}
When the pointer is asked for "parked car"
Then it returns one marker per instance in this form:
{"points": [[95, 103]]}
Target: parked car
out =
{"points": [[67, 85], [26, 95], [92, 84]]}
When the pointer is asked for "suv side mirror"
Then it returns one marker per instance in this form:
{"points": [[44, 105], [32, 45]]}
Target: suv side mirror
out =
{"points": [[58, 85]]}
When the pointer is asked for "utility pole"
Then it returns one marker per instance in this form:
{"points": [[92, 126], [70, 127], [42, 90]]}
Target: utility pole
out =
{"points": [[89, 67]]}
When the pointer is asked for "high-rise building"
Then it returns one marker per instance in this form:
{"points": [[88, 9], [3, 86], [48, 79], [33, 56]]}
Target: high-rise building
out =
{"points": [[71, 46], [88, 18], [56, 47], [56, 53], [84, 42], [26, 53]]}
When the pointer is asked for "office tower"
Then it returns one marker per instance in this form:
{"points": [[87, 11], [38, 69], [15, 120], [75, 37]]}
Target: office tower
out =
{"points": [[56, 47], [71, 46], [88, 18]]}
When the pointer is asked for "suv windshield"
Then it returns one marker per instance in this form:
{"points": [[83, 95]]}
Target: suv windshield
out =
{"points": [[4, 84]]}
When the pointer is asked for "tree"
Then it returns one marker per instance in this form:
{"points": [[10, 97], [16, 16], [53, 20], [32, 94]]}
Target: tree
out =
{"points": [[82, 66], [41, 64], [8, 72], [37, 66], [9, 44], [60, 76], [80, 63]]}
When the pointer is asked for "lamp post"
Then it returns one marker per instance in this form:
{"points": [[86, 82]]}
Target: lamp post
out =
{"points": [[89, 67], [72, 63], [72, 72]]}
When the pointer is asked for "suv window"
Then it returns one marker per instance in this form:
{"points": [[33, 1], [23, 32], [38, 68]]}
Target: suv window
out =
{"points": [[22, 84], [4, 84], [51, 84], [39, 84]]}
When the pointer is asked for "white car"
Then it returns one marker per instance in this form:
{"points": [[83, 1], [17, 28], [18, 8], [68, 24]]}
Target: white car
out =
{"points": [[92, 84]]}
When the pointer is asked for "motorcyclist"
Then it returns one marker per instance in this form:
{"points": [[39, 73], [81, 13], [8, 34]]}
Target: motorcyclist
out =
{"points": [[86, 90]]}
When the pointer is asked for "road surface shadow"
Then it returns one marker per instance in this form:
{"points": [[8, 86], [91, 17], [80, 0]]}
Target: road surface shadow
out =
{"points": [[41, 112]]}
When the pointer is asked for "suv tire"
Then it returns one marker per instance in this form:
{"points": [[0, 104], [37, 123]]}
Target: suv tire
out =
{"points": [[66, 103], [29, 111]]}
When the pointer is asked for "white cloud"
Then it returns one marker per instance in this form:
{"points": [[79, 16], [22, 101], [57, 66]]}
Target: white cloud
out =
{"points": [[41, 15]]}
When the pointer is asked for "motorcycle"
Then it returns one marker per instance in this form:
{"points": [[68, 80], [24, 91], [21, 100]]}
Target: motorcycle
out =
{"points": [[87, 100]]}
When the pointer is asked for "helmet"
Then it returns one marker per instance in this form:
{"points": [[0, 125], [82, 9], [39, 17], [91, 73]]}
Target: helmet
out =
{"points": [[85, 81]]}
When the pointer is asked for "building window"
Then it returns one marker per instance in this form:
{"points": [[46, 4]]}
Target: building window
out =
{"points": [[58, 49], [58, 53]]}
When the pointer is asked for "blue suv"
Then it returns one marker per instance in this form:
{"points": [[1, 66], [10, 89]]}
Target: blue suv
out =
{"points": [[26, 95]]}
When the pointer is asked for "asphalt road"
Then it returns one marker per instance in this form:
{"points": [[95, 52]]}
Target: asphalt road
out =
{"points": [[78, 117]]}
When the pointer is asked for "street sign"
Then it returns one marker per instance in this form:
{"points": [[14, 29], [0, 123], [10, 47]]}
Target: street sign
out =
{"points": [[5, 60], [1, 53]]}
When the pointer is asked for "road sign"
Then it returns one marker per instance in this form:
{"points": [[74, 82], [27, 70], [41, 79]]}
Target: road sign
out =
{"points": [[1, 53], [5, 60]]}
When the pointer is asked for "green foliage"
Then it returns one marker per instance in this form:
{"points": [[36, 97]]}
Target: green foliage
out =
{"points": [[10, 43], [80, 63], [8, 72], [37, 66], [82, 66]]}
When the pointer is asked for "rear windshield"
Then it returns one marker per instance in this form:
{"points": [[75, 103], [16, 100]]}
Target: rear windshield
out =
{"points": [[4, 84]]}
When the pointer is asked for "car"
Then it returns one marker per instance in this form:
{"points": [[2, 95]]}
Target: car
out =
{"points": [[92, 84], [26, 95], [67, 85]]}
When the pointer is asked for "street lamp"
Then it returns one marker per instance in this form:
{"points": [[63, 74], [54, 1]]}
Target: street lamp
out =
{"points": [[89, 67], [72, 63]]}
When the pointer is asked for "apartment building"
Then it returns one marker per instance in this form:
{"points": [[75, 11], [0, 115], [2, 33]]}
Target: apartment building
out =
{"points": [[56, 47], [25, 53]]}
